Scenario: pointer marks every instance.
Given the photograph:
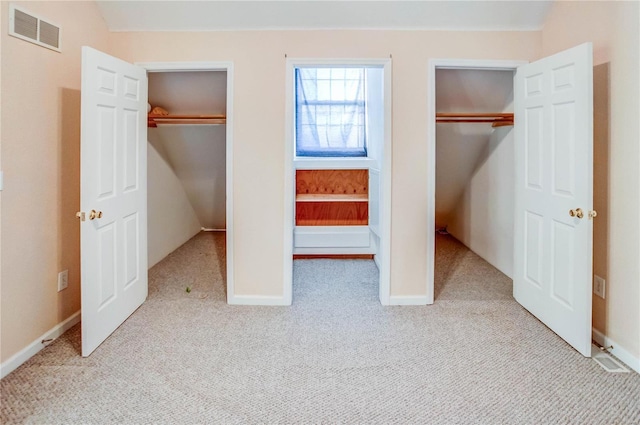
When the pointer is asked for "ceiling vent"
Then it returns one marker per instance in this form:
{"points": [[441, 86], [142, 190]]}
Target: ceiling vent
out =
{"points": [[31, 28]]}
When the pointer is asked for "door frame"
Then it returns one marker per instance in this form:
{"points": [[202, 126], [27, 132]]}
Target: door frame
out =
{"points": [[384, 248], [214, 66], [435, 64]]}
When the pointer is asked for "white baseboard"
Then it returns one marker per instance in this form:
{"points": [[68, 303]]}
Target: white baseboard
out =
{"points": [[408, 300], [376, 259], [622, 354], [258, 300], [32, 349]]}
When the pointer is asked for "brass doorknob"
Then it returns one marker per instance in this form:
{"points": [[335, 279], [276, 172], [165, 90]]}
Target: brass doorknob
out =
{"points": [[576, 213], [593, 214], [95, 214]]}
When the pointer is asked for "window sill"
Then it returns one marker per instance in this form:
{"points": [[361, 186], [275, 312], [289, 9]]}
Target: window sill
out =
{"points": [[332, 163]]}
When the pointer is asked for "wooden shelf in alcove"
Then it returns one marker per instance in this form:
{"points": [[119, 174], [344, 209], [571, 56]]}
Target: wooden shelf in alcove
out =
{"points": [[332, 213], [332, 197], [154, 120]]}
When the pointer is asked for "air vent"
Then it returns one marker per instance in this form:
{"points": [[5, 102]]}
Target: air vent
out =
{"points": [[607, 362], [26, 26]]}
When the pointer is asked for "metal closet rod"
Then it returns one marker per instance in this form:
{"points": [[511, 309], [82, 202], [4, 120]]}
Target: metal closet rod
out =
{"points": [[154, 120], [498, 119]]}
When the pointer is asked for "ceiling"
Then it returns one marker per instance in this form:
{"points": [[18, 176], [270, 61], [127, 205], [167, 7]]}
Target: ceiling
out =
{"points": [[185, 93], [221, 15]]}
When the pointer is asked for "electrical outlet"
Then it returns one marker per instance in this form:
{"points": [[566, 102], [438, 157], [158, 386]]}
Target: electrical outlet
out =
{"points": [[63, 280], [598, 286]]}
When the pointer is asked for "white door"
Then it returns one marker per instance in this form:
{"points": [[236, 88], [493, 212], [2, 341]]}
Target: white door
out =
{"points": [[554, 192], [114, 186]]}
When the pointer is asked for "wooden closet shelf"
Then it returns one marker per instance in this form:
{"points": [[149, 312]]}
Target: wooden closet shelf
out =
{"points": [[154, 120], [332, 197], [498, 119]]}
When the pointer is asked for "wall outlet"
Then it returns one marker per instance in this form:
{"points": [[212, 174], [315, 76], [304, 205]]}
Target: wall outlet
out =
{"points": [[598, 286], [63, 280]]}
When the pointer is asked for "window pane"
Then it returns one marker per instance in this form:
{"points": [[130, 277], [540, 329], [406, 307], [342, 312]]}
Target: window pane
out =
{"points": [[354, 73], [323, 73], [307, 73], [330, 112], [337, 90], [337, 73], [324, 90], [351, 89]]}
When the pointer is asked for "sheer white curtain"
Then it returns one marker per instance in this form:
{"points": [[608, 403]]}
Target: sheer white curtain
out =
{"points": [[330, 112]]}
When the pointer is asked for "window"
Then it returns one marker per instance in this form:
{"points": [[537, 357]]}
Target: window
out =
{"points": [[331, 112]]}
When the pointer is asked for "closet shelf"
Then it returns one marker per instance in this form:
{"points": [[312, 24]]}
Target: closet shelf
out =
{"points": [[497, 119], [154, 120], [332, 197]]}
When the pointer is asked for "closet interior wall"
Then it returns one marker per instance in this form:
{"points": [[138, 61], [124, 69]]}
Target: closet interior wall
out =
{"points": [[475, 164], [186, 163]]}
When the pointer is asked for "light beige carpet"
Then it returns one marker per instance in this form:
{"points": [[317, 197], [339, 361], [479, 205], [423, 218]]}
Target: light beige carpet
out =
{"points": [[335, 356]]}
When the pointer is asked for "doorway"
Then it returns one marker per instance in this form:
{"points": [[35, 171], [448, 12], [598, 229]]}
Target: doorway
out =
{"points": [[339, 205], [436, 65], [190, 90], [114, 182], [474, 199], [553, 187]]}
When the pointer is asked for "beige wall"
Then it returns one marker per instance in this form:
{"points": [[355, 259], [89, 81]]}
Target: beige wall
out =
{"points": [[613, 27], [259, 128], [3, 27], [40, 136], [41, 148]]}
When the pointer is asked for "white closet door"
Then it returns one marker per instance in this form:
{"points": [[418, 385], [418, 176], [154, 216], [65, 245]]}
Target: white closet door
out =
{"points": [[113, 194], [554, 193]]}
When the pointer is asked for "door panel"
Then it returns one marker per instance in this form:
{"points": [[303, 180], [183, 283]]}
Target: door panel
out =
{"points": [[554, 174], [113, 181]]}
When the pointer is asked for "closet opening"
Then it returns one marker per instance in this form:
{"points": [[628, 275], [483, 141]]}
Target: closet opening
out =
{"points": [[338, 122], [544, 247], [474, 183], [188, 170]]}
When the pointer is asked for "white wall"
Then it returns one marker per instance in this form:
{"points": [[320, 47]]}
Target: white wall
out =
{"points": [[196, 153], [171, 220], [483, 216], [460, 147], [197, 156], [375, 134]]}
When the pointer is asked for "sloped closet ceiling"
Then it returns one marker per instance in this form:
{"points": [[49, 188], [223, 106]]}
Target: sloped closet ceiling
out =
{"points": [[195, 153], [189, 92], [462, 148]]}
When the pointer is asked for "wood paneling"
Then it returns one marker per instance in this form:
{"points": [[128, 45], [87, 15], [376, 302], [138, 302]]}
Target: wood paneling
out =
{"points": [[332, 181], [332, 213], [332, 197]]}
